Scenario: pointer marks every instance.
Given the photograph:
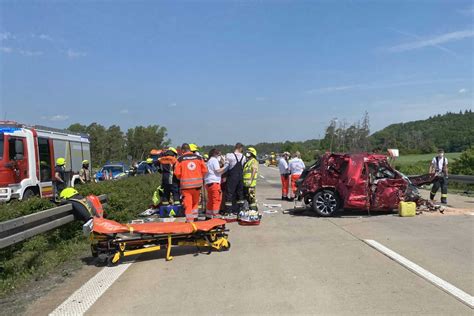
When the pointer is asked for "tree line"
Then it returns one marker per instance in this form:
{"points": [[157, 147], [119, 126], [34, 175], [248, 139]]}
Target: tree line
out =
{"points": [[113, 144], [454, 132]]}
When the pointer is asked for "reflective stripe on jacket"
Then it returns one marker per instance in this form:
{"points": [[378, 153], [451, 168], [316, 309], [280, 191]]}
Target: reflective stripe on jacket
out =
{"points": [[251, 167], [190, 170]]}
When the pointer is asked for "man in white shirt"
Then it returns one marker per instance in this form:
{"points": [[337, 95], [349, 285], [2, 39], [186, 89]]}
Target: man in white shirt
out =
{"points": [[284, 174], [296, 167], [439, 166]]}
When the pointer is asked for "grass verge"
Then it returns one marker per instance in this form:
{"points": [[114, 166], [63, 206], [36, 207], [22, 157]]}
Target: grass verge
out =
{"points": [[41, 255]]}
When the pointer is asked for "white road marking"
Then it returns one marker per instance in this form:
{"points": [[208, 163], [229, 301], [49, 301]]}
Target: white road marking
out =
{"points": [[262, 177], [442, 284], [81, 300]]}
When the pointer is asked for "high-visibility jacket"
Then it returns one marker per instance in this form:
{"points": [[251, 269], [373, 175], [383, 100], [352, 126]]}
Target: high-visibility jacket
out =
{"points": [[251, 173], [166, 165], [190, 170]]}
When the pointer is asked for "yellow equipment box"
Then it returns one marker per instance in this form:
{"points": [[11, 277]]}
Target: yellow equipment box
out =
{"points": [[407, 209]]}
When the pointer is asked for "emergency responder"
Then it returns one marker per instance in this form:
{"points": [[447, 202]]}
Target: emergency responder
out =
{"points": [[234, 168], [59, 176], [250, 178], [169, 182], [212, 181], [284, 175], [206, 157], [439, 167], [84, 173], [296, 167], [149, 167], [190, 170], [194, 149]]}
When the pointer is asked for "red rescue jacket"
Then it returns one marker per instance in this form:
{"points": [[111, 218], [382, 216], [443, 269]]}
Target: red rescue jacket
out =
{"points": [[190, 170]]}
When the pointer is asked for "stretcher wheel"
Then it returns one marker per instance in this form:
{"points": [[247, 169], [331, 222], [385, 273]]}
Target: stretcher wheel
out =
{"points": [[113, 260], [225, 248]]}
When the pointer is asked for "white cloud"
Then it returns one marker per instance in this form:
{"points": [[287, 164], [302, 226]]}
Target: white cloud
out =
{"points": [[335, 88], [442, 48], [467, 11], [7, 50], [75, 54], [6, 36], [463, 90], [56, 118], [124, 111], [381, 85], [29, 53], [45, 37], [434, 41]]}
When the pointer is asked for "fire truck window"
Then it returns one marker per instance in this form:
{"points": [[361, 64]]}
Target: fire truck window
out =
{"points": [[15, 149], [45, 159]]}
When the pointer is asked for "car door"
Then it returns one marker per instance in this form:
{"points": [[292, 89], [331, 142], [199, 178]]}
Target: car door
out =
{"points": [[356, 184]]}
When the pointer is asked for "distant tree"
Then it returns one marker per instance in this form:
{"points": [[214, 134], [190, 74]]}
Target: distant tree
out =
{"points": [[77, 128], [115, 143], [141, 139]]}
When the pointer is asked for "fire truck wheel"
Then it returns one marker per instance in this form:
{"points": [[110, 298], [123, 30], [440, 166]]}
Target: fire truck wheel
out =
{"points": [[28, 194], [326, 203]]}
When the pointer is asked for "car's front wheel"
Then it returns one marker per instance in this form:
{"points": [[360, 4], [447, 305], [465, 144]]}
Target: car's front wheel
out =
{"points": [[326, 203]]}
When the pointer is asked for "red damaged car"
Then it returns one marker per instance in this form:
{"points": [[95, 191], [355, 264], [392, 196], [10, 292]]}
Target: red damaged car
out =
{"points": [[356, 181]]}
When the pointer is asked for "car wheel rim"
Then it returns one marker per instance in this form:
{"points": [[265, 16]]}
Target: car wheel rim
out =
{"points": [[326, 203]]}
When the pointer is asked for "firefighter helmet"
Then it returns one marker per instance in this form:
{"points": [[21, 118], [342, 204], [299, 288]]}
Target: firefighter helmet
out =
{"points": [[60, 161], [68, 193]]}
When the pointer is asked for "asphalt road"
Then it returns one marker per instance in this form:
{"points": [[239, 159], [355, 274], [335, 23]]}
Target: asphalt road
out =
{"points": [[297, 264]]}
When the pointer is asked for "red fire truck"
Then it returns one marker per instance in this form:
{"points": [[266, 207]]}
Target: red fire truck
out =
{"points": [[28, 155]]}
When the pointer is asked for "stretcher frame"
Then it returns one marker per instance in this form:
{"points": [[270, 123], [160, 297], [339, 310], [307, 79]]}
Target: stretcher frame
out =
{"points": [[111, 248]]}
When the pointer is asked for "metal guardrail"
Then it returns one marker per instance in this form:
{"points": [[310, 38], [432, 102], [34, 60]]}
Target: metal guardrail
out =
{"points": [[463, 179], [19, 229]]}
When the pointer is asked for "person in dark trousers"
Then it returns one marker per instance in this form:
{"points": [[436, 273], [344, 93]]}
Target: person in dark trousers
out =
{"points": [[439, 167], [59, 176], [234, 168], [169, 182]]}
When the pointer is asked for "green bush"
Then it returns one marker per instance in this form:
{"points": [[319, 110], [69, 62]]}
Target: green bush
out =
{"points": [[465, 163], [16, 209], [42, 254]]}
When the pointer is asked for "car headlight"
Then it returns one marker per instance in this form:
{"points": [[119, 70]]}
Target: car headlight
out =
{"points": [[3, 191]]}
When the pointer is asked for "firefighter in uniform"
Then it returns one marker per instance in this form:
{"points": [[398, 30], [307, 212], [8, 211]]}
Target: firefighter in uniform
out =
{"points": [[234, 167], [439, 167], [84, 173], [250, 178], [169, 182], [190, 170], [59, 179]]}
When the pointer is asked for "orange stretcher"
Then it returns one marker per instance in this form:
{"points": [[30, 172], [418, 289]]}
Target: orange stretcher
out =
{"points": [[111, 241]]}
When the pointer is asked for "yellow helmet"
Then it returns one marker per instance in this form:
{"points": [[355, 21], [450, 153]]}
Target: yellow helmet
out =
{"points": [[253, 151], [68, 193], [61, 161], [85, 162], [149, 160], [206, 156], [173, 150], [193, 147]]}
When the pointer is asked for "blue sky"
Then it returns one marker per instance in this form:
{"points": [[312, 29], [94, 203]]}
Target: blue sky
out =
{"points": [[227, 71]]}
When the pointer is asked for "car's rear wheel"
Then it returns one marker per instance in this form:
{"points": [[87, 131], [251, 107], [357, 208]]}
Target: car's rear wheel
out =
{"points": [[326, 203]]}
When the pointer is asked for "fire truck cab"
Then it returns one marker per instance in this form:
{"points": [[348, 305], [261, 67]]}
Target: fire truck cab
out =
{"points": [[28, 155]]}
